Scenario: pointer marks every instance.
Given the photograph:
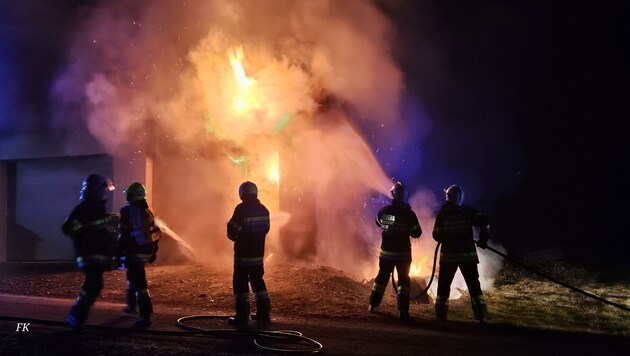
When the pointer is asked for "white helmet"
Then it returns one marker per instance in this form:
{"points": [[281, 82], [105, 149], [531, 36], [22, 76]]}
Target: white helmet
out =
{"points": [[454, 194], [399, 193]]}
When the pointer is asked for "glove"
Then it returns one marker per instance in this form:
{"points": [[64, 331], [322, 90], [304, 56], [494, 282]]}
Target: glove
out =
{"points": [[153, 258], [482, 244], [120, 262]]}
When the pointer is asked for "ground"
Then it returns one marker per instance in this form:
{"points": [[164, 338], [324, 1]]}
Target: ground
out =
{"points": [[521, 303]]}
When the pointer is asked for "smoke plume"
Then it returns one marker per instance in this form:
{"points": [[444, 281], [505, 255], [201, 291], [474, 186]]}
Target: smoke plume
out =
{"points": [[219, 92]]}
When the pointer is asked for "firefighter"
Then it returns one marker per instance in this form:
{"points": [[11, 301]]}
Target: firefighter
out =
{"points": [[397, 222], [454, 229], [92, 230], [137, 245], [247, 228]]}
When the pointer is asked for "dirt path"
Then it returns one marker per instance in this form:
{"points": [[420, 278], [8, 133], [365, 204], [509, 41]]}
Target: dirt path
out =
{"points": [[347, 337]]}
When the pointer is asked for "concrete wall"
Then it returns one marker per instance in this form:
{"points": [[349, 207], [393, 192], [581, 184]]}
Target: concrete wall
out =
{"points": [[40, 178], [47, 143]]}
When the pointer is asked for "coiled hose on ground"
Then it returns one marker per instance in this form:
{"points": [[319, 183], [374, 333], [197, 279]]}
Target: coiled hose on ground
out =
{"points": [[298, 342]]}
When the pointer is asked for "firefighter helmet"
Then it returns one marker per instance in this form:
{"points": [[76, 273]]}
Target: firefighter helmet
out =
{"points": [[95, 187], [135, 191], [247, 189], [454, 194], [399, 193]]}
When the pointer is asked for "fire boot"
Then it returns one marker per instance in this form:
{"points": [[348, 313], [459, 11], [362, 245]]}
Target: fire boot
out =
{"points": [[80, 310], [145, 308], [403, 307], [242, 314], [376, 297], [441, 309], [480, 309], [132, 303], [263, 311]]}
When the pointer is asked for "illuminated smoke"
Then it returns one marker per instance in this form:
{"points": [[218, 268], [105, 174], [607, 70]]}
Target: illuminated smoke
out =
{"points": [[218, 92], [489, 265]]}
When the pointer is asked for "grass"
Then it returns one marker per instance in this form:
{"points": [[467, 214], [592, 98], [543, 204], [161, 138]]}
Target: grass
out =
{"points": [[526, 300]]}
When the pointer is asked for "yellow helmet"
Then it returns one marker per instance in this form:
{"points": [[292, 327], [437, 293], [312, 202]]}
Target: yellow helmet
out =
{"points": [[135, 191]]}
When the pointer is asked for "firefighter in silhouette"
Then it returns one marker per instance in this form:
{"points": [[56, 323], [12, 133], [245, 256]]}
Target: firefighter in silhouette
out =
{"points": [[247, 228], [137, 245], [92, 230], [398, 222], [454, 229]]}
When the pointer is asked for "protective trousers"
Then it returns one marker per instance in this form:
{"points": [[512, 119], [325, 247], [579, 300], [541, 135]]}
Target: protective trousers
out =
{"points": [[130, 297], [137, 287], [471, 276], [385, 268], [91, 289], [243, 276]]}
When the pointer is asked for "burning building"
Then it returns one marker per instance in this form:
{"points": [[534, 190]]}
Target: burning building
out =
{"points": [[192, 98]]}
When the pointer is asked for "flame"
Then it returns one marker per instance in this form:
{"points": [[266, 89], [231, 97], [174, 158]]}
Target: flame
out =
{"points": [[244, 97], [274, 169], [417, 267]]}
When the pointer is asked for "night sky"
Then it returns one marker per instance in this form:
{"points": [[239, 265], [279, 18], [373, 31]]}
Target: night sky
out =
{"points": [[521, 103], [527, 102]]}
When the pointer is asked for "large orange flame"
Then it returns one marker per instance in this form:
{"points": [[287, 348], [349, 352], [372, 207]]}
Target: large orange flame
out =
{"points": [[274, 169], [244, 98]]}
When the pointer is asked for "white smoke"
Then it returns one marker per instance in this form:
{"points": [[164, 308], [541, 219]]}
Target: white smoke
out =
{"points": [[489, 265]]}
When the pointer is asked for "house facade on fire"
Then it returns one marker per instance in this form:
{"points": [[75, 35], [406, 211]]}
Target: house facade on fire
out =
{"points": [[40, 177]]}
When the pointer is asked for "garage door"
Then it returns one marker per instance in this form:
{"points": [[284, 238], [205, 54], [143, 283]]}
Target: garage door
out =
{"points": [[46, 190]]}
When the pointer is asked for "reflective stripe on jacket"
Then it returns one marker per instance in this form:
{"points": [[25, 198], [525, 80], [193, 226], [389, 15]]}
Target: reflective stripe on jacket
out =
{"points": [[248, 227]]}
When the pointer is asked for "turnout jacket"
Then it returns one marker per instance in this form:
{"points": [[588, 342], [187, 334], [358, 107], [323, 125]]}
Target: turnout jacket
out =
{"points": [[398, 222], [454, 229], [93, 233], [139, 236], [247, 228]]}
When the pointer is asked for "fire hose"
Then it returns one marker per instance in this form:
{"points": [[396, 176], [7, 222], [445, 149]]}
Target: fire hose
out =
{"points": [[437, 248], [295, 337], [303, 344], [527, 268]]}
